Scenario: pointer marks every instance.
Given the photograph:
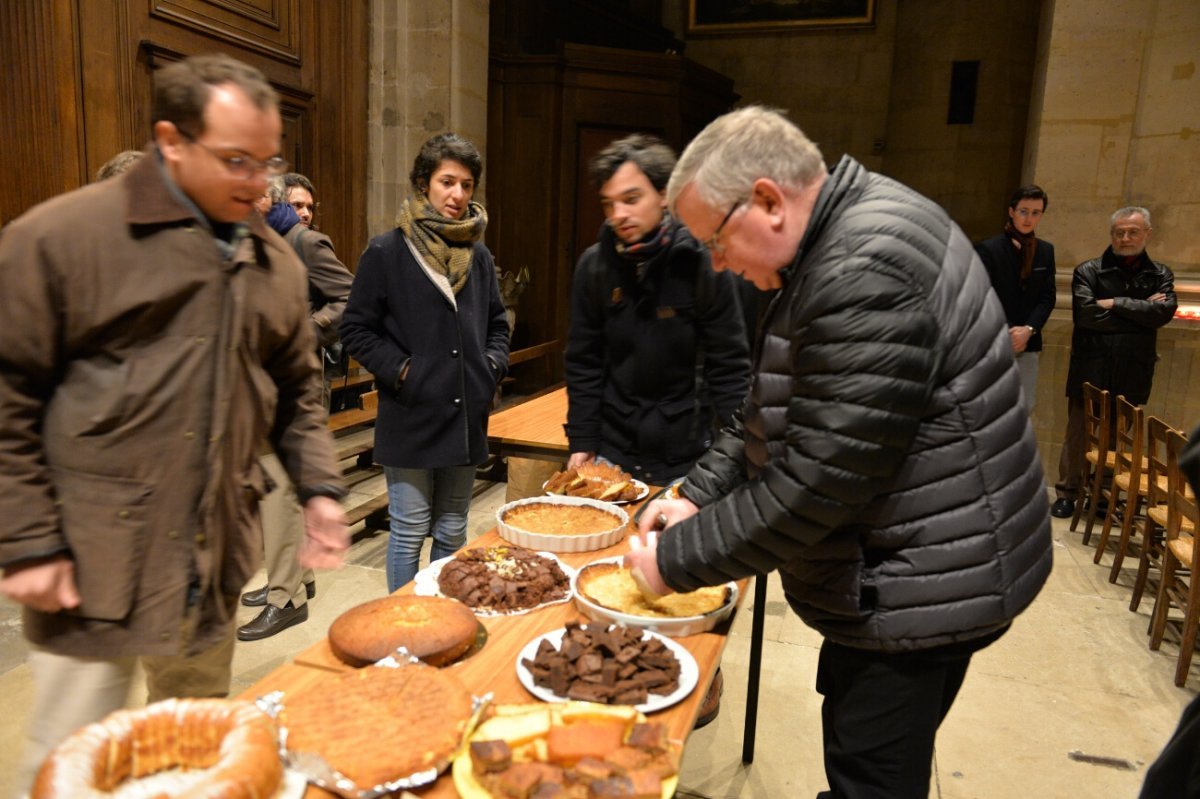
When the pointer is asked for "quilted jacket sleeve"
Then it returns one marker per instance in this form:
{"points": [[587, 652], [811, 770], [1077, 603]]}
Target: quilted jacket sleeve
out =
{"points": [[853, 378]]}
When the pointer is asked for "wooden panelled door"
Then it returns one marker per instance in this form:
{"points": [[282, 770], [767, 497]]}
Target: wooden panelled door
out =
{"points": [[84, 69]]}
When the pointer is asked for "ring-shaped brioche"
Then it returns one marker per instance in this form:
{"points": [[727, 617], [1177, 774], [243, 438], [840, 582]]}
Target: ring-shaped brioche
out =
{"points": [[234, 741]]}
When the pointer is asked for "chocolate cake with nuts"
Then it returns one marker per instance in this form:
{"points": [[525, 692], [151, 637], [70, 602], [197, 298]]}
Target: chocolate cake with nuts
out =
{"points": [[503, 579]]}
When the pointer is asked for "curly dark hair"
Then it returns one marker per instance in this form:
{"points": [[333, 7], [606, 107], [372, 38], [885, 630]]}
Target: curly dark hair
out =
{"points": [[649, 153], [1030, 192], [444, 147], [181, 90]]}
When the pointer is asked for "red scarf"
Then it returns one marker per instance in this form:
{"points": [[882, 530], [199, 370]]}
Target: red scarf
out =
{"points": [[1027, 244]]}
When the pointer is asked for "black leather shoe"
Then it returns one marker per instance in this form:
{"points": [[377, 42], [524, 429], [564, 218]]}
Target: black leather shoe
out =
{"points": [[258, 597], [1062, 508], [272, 620]]}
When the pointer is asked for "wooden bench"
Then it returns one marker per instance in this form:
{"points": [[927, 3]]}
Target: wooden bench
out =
{"points": [[544, 350], [355, 417]]}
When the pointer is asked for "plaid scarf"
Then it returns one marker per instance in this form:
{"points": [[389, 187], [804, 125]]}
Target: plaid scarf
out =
{"points": [[1027, 246], [445, 244], [650, 245]]}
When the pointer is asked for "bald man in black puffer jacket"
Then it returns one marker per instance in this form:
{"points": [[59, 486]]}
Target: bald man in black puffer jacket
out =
{"points": [[883, 462]]}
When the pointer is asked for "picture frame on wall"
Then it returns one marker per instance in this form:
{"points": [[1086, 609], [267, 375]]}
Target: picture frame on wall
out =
{"points": [[768, 16]]}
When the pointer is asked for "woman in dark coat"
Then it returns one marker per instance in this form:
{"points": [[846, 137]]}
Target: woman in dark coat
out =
{"points": [[1021, 267], [425, 318]]}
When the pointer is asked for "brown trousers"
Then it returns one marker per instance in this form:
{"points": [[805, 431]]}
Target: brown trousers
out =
{"points": [[283, 530]]}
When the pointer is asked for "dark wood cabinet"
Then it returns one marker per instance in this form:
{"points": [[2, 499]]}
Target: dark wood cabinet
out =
{"points": [[547, 116], [79, 79]]}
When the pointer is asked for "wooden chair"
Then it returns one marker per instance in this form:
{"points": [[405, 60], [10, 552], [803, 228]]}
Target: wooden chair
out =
{"points": [[1154, 521], [1097, 428], [1179, 586], [1126, 491]]}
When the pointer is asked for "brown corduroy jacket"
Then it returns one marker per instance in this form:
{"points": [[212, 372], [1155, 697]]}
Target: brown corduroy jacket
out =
{"points": [[140, 371]]}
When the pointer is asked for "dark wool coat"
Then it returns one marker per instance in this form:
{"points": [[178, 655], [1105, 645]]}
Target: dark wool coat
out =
{"points": [[140, 371], [883, 463], [1115, 349], [396, 315], [655, 364], [1030, 304]]}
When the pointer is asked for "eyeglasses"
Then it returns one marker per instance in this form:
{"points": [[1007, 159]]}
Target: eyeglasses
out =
{"points": [[711, 244], [1128, 233], [243, 166]]}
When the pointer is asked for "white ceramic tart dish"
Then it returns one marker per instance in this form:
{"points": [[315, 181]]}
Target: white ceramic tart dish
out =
{"points": [[675, 626], [570, 540]]}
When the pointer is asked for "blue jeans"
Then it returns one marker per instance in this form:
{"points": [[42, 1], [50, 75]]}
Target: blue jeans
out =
{"points": [[420, 502]]}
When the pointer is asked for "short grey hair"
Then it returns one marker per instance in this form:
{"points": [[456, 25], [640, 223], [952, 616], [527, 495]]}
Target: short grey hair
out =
{"points": [[739, 148], [1128, 211]]}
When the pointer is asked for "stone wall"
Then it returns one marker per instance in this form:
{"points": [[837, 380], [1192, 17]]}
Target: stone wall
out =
{"points": [[834, 84], [428, 75], [1117, 122], [969, 169]]}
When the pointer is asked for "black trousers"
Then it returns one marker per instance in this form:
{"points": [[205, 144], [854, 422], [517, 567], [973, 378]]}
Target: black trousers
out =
{"points": [[880, 716]]}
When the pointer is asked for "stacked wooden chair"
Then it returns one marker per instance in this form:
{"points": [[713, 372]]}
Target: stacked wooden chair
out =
{"points": [[1179, 587], [1158, 498], [1126, 492], [1097, 428]]}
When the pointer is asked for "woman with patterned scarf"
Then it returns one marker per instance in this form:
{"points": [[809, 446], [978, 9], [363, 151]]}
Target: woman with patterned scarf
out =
{"points": [[657, 354], [1021, 267], [425, 318]]}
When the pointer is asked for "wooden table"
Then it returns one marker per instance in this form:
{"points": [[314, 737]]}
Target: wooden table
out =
{"points": [[533, 429], [493, 668], [536, 428]]}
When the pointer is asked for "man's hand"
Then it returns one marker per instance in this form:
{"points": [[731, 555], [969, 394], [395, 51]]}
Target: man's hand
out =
{"points": [[1019, 336], [326, 536], [577, 459], [1158, 297], [642, 558], [662, 513], [642, 562], [47, 585], [1107, 304]]}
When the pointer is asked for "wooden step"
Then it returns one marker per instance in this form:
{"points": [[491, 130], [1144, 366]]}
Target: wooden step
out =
{"points": [[353, 443], [372, 506]]}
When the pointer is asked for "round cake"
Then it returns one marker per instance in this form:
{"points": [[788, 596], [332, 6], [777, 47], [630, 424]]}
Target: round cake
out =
{"points": [[503, 579], [379, 724], [233, 741], [435, 629]]}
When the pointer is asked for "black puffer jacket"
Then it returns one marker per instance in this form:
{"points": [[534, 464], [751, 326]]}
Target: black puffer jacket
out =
{"points": [[1115, 348], [883, 463]]}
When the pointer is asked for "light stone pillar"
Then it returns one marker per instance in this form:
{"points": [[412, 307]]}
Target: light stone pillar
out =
{"points": [[429, 73], [1117, 122]]}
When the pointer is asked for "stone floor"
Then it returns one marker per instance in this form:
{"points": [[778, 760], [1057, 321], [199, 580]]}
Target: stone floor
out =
{"points": [[1069, 703]]}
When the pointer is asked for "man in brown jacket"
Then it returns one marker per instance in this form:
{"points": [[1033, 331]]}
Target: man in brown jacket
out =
{"points": [[155, 334]]}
